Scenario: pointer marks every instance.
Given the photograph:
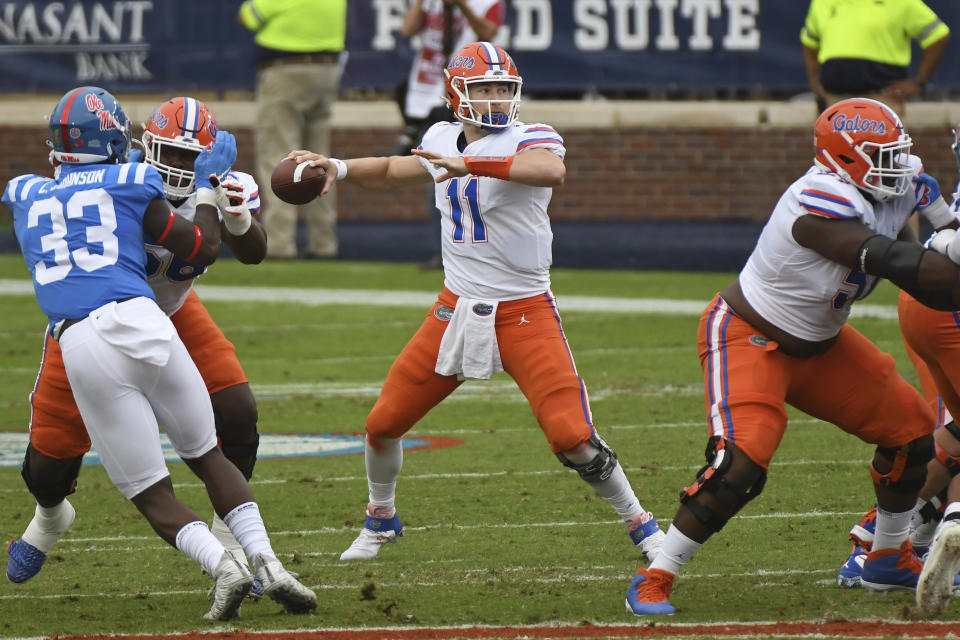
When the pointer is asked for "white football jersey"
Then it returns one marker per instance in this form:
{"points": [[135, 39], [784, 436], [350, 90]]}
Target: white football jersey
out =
{"points": [[170, 277], [796, 288], [497, 241]]}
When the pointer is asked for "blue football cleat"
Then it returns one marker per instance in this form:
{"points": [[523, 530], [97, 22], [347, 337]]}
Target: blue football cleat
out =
{"points": [[850, 572], [648, 593], [25, 561], [892, 569], [863, 532]]}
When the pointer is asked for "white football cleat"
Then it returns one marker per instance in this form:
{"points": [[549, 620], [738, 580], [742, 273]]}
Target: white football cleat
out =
{"points": [[282, 587], [937, 580], [234, 582], [376, 532]]}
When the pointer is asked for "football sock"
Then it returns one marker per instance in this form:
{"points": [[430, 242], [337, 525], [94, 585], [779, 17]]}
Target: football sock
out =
{"points": [[380, 511], [676, 551], [196, 542], [892, 528], [247, 527], [48, 524], [617, 491], [383, 464], [222, 532], [950, 512]]}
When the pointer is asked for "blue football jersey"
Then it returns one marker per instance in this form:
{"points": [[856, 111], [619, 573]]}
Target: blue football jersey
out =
{"points": [[81, 234]]}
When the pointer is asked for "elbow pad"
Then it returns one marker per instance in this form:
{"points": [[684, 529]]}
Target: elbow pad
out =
{"points": [[894, 260], [899, 262]]}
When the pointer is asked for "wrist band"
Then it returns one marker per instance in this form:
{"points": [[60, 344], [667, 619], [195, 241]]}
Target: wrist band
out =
{"points": [[938, 213], [196, 245], [168, 227], [489, 166], [205, 195], [341, 168]]}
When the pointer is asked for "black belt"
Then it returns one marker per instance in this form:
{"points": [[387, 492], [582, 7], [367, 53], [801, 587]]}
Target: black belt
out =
{"points": [[62, 326], [306, 58]]}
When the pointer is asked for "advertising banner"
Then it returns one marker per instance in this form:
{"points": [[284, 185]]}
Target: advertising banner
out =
{"points": [[560, 46]]}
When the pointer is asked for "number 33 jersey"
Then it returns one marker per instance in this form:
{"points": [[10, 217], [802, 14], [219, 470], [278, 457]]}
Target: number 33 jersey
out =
{"points": [[81, 234], [797, 289], [170, 277], [496, 234]]}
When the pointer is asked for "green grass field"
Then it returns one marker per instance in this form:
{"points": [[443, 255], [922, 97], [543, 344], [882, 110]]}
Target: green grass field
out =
{"points": [[497, 531]]}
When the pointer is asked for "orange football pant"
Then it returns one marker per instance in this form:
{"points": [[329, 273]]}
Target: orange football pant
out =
{"points": [[56, 429], [533, 350], [932, 339], [854, 385]]}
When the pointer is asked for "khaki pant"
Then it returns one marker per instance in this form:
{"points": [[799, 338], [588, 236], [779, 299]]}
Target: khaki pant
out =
{"points": [[294, 107]]}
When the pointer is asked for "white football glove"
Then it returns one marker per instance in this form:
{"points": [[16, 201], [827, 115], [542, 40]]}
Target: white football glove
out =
{"points": [[947, 242], [232, 203]]}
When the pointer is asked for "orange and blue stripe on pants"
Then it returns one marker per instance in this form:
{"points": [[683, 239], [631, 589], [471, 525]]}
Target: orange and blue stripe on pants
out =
{"points": [[932, 339], [748, 381]]}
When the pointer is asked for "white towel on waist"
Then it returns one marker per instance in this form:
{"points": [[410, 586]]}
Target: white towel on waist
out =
{"points": [[137, 328], [469, 345]]}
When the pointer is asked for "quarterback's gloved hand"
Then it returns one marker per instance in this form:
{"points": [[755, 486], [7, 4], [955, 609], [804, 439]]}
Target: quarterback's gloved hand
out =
{"points": [[215, 161], [232, 203], [135, 155]]}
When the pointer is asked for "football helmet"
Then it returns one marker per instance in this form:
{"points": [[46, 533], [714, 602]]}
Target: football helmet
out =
{"points": [[864, 142], [480, 62], [177, 126], [88, 126]]}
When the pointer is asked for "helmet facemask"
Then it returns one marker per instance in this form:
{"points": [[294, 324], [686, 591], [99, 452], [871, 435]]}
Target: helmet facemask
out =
{"points": [[889, 175], [178, 183], [480, 112]]}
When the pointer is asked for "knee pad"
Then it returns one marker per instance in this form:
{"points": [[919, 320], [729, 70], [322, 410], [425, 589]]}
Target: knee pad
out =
{"points": [[908, 462], [243, 455], [952, 463], [731, 490], [597, 469], [948, 460], [50, 480]]}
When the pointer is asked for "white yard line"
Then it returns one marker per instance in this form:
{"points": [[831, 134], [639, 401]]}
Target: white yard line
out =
{"points": [[423, 299]]}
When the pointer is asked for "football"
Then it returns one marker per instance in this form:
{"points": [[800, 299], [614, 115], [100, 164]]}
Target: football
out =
{"points": [[297, 183]]}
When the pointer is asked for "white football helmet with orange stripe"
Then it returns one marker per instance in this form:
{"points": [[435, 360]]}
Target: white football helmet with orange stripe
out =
{"points": [[178, 125], [864, 142], [480, 62]]}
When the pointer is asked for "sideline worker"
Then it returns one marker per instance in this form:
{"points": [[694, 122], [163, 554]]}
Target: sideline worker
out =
{"points": [[299, 45], [861, 48]]}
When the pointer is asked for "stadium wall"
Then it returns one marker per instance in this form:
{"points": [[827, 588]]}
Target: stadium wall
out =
{"points": [[649, 184]]}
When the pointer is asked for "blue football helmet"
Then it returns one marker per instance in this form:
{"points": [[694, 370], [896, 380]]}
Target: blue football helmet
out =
{"points": [[89, 126]]}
